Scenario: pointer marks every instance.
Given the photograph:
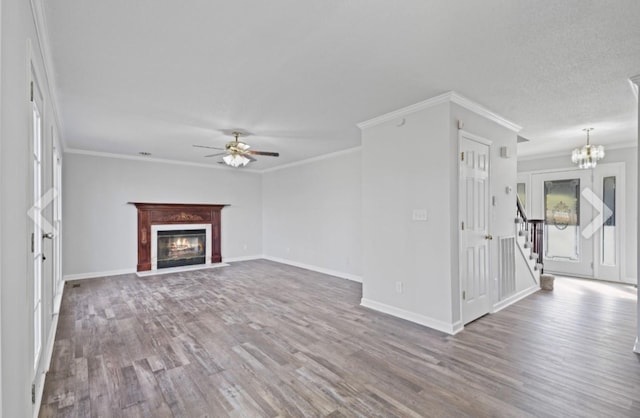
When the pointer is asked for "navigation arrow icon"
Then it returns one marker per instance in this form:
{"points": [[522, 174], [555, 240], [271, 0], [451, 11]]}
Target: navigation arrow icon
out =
{"points": [[604, 213]]}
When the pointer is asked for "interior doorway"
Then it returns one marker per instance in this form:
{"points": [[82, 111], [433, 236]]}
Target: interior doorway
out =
{"points": [[474, 204]]}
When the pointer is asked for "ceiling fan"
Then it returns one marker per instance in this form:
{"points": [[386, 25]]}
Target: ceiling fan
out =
{"points": [[237, 153]]}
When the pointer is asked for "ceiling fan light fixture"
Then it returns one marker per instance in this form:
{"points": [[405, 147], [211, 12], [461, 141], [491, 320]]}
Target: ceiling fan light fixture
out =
{"points": [[587, 156], [235, 160]]}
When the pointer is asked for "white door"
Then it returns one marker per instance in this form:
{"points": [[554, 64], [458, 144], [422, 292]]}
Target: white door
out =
{"points": [[560, 199], [474, 227], [37, 224]]}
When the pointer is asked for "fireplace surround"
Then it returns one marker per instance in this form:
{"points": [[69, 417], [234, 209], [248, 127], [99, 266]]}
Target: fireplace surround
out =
{"points": [[154, 217]]}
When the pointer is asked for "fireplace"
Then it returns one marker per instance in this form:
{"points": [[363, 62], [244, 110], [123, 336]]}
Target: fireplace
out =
{"points": [[183, 247], [176, 218]]}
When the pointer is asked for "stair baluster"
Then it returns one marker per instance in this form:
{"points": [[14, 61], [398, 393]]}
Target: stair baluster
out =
{"points": [[534, 229]]}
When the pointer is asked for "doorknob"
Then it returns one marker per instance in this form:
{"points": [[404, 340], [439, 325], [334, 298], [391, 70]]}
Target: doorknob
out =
{"points": [[47, 235], [488, 237]]}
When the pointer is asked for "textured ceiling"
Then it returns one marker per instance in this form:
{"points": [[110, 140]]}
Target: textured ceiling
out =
{"points": [[159, 76]]}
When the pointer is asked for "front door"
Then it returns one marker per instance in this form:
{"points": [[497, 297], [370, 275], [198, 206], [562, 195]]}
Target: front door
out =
{"points": [[563, 201], [474, 228]]}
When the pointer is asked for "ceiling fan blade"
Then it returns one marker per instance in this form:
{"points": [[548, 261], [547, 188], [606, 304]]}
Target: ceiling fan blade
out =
{"points": [[250, 158], [268, 154], [214, 155], [204, 146]]}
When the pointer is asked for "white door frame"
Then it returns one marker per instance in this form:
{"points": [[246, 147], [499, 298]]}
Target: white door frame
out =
{"points": [[525, 177], [35, 79], [56, 163], [616, 170], [461, 136]]}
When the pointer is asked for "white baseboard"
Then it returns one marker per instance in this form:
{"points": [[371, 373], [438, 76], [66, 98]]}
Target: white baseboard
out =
{"points": [[498, 306], [322, 270], [93, 275], [457, 327], [243, 258], [412, 316], [636, 347], [352, 277]]}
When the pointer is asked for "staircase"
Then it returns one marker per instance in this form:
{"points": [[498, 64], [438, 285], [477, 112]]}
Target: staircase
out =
{"points": [[525, 245], [530, 239]]}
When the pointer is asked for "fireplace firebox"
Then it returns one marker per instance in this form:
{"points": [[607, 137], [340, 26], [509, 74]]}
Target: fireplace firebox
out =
{"points": [[181, 247]]}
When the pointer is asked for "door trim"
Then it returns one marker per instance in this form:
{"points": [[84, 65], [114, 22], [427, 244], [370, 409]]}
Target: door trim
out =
{"points": [[620, 173], [461, 135], [623, 215]]}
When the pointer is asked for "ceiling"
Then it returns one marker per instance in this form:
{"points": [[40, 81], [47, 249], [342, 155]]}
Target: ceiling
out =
{"points": [[159, 76]]}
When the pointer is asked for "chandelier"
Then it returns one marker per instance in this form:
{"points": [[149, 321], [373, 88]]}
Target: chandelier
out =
{"points": [[236, 160], [587, 156]]}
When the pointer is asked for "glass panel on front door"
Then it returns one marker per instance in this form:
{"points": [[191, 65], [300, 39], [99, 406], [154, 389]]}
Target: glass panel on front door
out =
{"points": [[562, 219], [609, 226]]}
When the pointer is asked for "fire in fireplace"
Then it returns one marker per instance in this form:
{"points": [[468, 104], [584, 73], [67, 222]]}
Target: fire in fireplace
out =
{"points": [[181, 248]]}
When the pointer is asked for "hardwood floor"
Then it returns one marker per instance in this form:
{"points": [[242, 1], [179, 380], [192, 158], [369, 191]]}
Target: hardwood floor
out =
{"points": [[263, 339]]}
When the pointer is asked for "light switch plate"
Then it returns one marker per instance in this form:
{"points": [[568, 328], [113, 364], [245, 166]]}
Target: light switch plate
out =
{"points": [[419, 215]]}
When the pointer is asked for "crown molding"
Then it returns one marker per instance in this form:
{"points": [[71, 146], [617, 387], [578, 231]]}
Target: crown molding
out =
{"points": [[484, 112], [153, 160], [449, 97], [314, 159], [201, 165], [42, 34], [567, 153], [434, 101]]}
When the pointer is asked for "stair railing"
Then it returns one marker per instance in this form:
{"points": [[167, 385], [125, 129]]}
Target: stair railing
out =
{"points": [[535, 228]]}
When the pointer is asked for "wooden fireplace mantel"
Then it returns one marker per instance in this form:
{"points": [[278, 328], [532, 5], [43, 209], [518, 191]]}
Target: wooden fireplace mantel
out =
{"points": [[175, 213]]}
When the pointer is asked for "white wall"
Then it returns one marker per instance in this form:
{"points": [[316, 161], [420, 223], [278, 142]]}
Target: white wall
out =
{"points": [[404, 168], [311, 214], [424, 175], [100, 225], [18, 29], [629, 157]]}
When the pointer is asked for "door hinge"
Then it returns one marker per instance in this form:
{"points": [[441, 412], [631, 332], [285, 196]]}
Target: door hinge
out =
{"points": [[33, 393], [464, 295], [462, 229], [462, 156], [32, 243], [31, 91]]}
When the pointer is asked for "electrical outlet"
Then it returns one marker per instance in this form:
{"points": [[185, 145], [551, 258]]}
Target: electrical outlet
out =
{"points": [[399, 287]]}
